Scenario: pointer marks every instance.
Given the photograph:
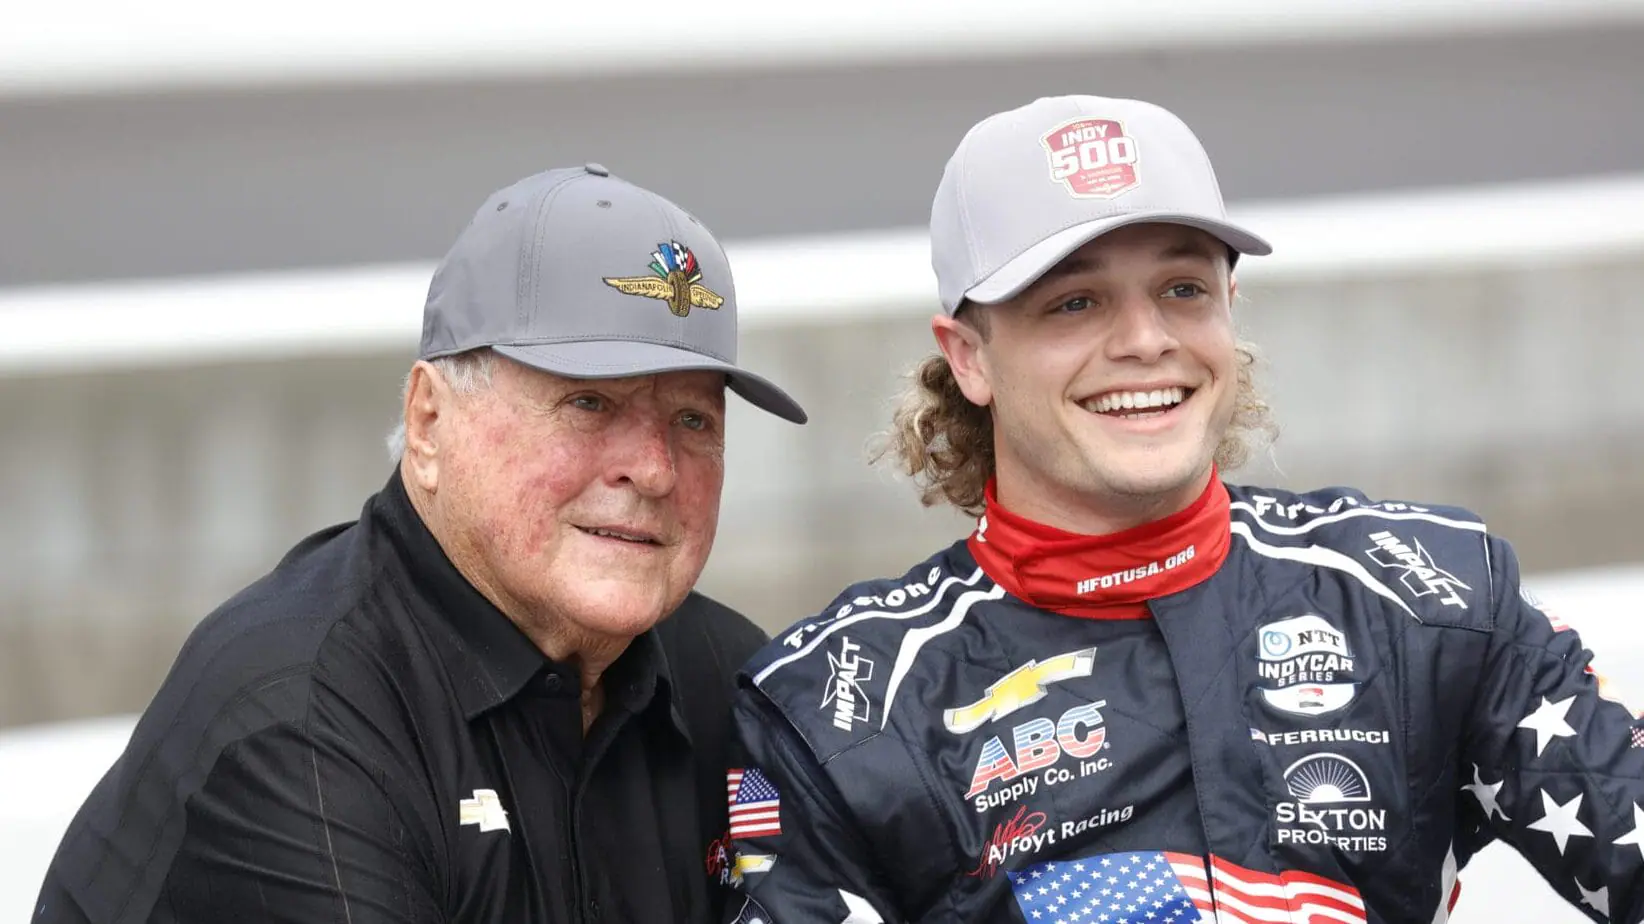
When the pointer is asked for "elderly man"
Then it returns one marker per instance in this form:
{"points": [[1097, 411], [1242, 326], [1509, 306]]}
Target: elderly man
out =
{"points": [[494, 697], [1136, 694]]}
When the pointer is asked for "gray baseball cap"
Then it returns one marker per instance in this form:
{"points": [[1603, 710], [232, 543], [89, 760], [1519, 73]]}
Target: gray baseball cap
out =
{"points": [[584, 275], [1027, 187]]}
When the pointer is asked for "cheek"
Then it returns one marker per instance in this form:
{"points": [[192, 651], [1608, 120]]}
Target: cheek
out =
{"points": [[526, 482], [697, 492], [1036, 373]]}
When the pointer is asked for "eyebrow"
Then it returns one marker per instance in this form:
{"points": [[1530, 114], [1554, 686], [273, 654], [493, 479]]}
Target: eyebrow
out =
{"points": [[1186, 247]]}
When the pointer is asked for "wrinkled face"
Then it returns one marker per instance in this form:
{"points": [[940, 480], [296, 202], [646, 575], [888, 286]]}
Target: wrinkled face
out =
{"points": [[1112, 379], [590, 502]]}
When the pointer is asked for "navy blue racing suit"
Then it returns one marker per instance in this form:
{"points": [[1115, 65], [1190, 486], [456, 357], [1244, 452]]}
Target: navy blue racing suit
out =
{"points": [[1358, 700]]}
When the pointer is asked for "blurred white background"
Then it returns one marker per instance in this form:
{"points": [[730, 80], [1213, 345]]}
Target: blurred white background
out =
{"points": [[215, 234]]}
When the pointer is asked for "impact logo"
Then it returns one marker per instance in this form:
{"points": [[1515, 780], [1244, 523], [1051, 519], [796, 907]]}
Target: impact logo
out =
{"points": [[1306, 666], [1417, 571], [844, 694], [1092, 158], [1332, 796], [676, 279]]}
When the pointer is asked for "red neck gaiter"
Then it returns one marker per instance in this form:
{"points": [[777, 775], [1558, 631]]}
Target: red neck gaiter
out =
{"points": [[1103, 577]]}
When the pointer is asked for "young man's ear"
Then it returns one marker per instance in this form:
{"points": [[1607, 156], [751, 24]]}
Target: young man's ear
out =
{"points": [[961, 343], [427, 398]]}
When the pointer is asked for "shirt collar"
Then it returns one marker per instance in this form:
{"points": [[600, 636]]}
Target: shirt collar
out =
{"points": [[490, 659]]}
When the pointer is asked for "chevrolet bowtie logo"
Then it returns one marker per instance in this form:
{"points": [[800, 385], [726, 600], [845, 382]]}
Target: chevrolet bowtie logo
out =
{"points": [[750, 863], [1023, 686], [485, 810]]}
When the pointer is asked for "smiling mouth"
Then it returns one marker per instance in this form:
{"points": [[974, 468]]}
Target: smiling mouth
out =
{"points": [[632, 538], [1137, 405]]}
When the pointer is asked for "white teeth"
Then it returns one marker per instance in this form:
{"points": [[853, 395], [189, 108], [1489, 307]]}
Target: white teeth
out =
{"points": [[1137, 400], [616, 535]]}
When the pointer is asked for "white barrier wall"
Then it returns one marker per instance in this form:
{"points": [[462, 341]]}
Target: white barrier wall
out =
{"points": [[167, 442]]}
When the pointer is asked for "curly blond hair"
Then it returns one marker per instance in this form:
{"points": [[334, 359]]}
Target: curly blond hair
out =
{"points": [[945, 443]]}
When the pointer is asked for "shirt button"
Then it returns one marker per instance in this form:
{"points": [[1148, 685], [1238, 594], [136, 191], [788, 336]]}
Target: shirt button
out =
{"points": [[553, 683], [593, 907]]}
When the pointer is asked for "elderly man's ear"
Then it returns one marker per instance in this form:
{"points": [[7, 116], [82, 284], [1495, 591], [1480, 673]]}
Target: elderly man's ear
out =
{"points": [[427, 398]]}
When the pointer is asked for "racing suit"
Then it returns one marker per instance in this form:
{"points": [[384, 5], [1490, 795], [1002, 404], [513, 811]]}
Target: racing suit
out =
{"points": [[1325, 728]]}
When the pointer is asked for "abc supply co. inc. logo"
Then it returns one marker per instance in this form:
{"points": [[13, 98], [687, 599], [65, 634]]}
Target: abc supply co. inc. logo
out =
{"points": [[1093, 158], [1037, 744]]}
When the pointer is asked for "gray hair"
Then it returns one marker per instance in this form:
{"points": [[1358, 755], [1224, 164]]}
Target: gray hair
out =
{"points": [[467, 373]]}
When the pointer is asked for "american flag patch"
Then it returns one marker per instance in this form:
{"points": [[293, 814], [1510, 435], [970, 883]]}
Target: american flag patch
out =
{"points": [[756, 807], [1248, 897], [1154, 887]]}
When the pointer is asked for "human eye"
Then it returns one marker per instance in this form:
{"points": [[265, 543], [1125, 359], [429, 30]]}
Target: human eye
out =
{"points": [[1185, 290], [588, 402], [1073, 305], [696, 421]]}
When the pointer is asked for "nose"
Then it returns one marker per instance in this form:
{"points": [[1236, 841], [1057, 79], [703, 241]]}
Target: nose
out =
{"points": [[1140, 330], [645, 455]]}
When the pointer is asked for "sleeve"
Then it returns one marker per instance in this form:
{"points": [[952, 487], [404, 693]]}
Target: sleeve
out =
{"points": [[294, 826], [286, 824], [1555, 765], [799, 857]]}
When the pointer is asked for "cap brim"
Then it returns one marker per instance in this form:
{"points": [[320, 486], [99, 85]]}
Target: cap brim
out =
{"points": [[1026, 268], [615, 359]]}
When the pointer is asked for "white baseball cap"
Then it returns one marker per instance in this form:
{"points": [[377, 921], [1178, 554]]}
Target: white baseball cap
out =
{"points": [[1027, 187]]}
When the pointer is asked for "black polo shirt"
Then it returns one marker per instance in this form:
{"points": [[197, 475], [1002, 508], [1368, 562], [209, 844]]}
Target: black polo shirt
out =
{"points": [[361, 737]]}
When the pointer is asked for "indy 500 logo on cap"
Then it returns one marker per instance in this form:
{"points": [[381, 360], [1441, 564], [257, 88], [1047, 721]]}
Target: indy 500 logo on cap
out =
{"points": [[1093, 158]]}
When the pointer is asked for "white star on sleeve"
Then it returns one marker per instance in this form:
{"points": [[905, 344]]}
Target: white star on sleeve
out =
{"points": [[1598, 899], [1560, 820], [1636, 838], [857, 909], [1548, 722], [1485, 793]]}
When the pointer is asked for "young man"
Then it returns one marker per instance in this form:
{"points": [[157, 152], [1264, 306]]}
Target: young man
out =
{"points": [[494, 697], [1135, 693]]}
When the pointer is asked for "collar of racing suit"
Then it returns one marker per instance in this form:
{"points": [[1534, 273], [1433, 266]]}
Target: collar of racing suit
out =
{"points": [[1109, 576]]}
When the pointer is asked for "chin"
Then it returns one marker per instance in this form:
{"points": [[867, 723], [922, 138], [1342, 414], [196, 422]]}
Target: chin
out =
{"points": [[1152, 475], [622, 608], [625, 615]]}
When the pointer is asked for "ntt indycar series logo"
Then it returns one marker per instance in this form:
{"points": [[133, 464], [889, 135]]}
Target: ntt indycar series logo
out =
{"points": [[1305, 666]]}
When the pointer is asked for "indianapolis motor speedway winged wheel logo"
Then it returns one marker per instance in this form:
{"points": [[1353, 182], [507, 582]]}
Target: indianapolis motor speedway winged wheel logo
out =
{"points": [[676, 279]]}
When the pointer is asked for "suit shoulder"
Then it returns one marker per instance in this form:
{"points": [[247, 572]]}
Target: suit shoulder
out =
{"points": [[864, 622], [1433, 558]]}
